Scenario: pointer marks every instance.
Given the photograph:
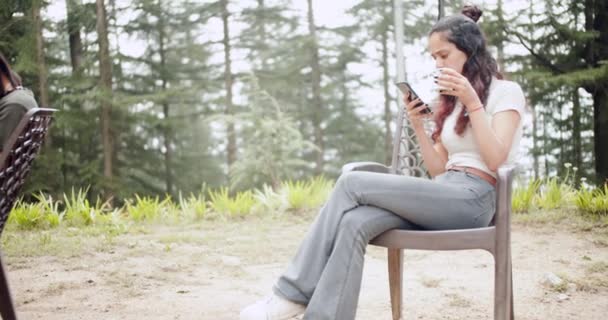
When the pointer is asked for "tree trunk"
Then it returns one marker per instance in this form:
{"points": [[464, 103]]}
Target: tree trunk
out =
{"points": [[76, 53], [228, 82], [441, 9], [535, 108], [562, 127], [105, 83], [535, 153], [43, 94], [167, 135], [577, 161], [74, 37], [317, 107], [500, 49], [600, 132], [262, 44], [599, 52], [545, 145], [388, 136]]}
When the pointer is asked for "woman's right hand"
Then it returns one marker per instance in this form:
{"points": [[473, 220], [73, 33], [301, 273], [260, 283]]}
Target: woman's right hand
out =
{"points": [[414, 112]]}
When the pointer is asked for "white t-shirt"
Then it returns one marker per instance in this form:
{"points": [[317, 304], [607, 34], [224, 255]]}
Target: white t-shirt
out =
{"points": [[463, 151]]}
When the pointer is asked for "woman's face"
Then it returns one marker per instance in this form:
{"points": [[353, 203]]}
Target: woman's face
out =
{"points": [[445, 53]]}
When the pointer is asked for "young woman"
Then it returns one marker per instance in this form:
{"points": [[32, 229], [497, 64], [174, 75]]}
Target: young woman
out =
{"points": [[478, 129], [14, 100]]}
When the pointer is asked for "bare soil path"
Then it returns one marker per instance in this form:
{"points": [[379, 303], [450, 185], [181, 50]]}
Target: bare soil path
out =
{"points": [[212, 269]]}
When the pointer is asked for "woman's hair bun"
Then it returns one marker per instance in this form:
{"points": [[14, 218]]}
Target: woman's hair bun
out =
{"points": [[472, 12]]}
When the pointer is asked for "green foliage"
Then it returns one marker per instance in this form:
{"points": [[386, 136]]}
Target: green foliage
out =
{"points": [[307, 194], [43, 214], [522, 197], [298, 194], [558, 193], [553, 194], [26, 216], [272, 145], [231, 206], [193, 207], [78, 210], [148, 208], [593, 202], [270, 201]]}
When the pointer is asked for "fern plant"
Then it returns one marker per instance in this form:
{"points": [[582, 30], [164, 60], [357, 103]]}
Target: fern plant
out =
{"points": [[225, 205], [523, 196], [593, 202], [554, 194]]}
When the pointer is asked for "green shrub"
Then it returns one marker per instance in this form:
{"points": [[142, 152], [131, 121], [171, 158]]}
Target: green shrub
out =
{"points": [[148, 208], [307, 194], [193, 207], [223, 204], [79, 212], [43, 214], [554, 194], [270, 201], [321, 187], [26, 216], [592, 202], [523, 197]]}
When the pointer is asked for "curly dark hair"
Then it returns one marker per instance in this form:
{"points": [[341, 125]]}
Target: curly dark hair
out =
{"points": [[462, 30]]}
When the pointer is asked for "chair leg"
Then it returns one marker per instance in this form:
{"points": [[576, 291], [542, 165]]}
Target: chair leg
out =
{"points": [[7, 311], [503, 302], [511, 302], [395, 274]]}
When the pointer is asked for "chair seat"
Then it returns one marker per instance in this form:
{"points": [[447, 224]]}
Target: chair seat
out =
{"points": [[459, 239]]}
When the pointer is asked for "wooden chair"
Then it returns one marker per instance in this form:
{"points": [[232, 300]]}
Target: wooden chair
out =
{"points": [[495, 238], [15, 163]]}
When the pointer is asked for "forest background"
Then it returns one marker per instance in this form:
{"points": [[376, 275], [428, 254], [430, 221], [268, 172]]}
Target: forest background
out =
{"points": [[163, 98]]}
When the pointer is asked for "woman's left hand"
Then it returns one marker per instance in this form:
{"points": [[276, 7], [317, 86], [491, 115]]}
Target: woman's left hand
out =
{"points": [[454, 84]]}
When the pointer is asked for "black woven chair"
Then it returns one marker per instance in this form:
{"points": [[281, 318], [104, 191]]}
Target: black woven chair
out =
{"points": [[15, 164]]}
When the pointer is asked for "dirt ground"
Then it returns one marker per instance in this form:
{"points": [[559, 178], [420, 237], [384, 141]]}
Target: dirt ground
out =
{"points": [[210, 270]]}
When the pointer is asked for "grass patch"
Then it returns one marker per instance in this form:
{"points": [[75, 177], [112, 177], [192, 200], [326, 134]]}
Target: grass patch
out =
{"points": [[181, 238], [522, 197], [232, 206], [542, 217]]}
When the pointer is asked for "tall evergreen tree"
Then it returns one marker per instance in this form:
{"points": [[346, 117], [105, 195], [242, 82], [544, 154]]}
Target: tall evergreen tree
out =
{"points": [[569, 51], [105, 83]]}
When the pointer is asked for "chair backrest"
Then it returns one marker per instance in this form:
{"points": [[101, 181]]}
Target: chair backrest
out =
{"points": [[406, 156], [20, 150]]}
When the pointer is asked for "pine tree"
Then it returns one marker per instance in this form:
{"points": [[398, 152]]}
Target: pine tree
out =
{"points": [[564, 55]]}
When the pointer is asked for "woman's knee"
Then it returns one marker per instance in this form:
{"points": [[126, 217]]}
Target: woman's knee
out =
{"points": [[360, 222], [368, 222], [350, 181]]}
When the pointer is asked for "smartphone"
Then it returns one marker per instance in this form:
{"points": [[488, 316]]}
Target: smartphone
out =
{"points": [[406, 89]]}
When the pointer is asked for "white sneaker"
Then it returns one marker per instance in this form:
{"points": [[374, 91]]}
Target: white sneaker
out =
{"points": [[272, 307]]}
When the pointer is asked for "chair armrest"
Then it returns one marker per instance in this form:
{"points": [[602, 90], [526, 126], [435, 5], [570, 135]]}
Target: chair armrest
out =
{"points": [[365, 166], [502, 218], [506, 173]]}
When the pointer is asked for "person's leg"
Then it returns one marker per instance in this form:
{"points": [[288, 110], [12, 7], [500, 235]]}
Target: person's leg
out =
{"points": [[452, 201], [337, 292], [300, 279]]}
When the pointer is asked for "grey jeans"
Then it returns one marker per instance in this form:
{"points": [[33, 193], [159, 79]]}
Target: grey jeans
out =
{"points": [[325, 273]]}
